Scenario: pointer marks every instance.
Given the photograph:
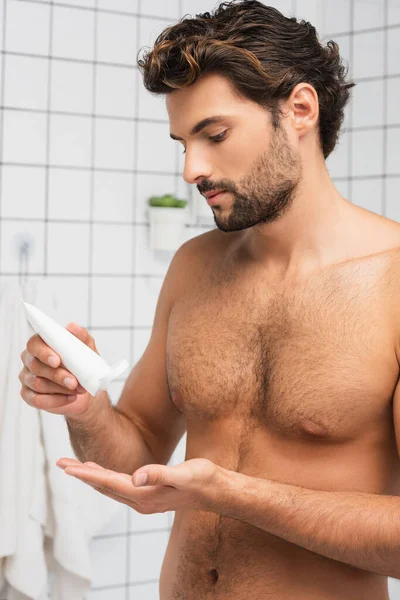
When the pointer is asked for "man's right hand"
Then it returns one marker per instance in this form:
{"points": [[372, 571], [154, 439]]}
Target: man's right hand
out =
{"points": [[49, 385]]}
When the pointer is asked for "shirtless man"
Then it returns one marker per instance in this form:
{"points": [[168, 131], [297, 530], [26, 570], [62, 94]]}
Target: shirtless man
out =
{"points": [[275, 343]]}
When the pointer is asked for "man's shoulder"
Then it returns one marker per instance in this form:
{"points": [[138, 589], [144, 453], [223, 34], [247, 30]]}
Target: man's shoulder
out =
{"points": [[210, 238], [208, 246], [198, 256]]}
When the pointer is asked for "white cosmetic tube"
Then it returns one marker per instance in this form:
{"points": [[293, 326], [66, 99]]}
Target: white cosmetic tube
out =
{"points": [[90, 369]]}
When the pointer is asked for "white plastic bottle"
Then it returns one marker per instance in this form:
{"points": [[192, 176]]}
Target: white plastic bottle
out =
{"points": [[90, 369]]}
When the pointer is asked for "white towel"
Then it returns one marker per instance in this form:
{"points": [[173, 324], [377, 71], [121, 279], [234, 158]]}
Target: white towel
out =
{"points": [[24, 566], [47, 519]]}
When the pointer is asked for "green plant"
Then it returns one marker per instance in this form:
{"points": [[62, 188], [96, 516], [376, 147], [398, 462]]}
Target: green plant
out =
{"points": [[168, 200]]}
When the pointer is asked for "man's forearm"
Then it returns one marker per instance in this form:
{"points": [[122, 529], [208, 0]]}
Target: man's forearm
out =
{"points": [[109, 438], [356, 528]]}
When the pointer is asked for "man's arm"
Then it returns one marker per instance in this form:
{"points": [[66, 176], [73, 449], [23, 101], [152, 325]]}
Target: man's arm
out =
{"points": [[144, 427], [109, 438], [356, 528]]}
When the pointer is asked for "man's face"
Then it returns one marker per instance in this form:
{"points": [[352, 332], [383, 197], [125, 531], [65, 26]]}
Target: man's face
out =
{"points": [[240, 153]]}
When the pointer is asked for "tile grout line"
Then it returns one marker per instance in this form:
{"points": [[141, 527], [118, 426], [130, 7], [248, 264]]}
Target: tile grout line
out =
{"points": [[92, 169], [135, 75], [3, 69], [385, 110], [100, 10], [48, 126]]}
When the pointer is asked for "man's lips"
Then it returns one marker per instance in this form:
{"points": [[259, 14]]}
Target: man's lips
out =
{"points": [[212, 199], [212, 193]]}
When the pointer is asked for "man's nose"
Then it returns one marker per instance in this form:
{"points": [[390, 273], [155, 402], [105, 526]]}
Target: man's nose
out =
{"points": [[196, 168]]}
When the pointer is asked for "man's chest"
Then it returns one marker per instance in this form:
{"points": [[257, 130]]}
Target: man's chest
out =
{"points": [[316, 361]]}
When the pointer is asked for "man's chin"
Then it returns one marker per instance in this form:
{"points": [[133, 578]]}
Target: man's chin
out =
{"points": [[223, 225]]}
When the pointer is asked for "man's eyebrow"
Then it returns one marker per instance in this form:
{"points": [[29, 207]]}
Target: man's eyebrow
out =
{"points": [[201, 125]]}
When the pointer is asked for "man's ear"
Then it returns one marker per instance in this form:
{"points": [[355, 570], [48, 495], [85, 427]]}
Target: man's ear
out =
{"points": [[303, 108]]}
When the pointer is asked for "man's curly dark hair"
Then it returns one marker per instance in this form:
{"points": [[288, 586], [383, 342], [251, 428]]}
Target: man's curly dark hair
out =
{"points": [[263, 53]]}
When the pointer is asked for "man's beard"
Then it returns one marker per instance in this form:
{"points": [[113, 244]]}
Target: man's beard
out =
{"points": [[267, 192]]}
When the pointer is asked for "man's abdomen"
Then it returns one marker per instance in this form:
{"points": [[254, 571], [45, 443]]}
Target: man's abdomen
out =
{"points": [[210, 556], [213, 556]]}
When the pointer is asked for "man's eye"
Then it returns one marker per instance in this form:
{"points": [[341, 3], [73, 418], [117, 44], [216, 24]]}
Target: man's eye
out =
{"points": [[219, 137], [215, 138]]}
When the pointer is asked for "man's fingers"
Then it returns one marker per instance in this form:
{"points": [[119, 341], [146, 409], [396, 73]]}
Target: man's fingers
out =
{"points": [[176, 476], [74, 462], [48, 402], [158, 475], [33, 366], [82, 334], [67, 462], [39, 349], [94, 465], [116, 483]]}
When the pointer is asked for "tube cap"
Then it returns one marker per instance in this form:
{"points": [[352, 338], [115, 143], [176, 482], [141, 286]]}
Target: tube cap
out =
{"points": [[115, 370]]}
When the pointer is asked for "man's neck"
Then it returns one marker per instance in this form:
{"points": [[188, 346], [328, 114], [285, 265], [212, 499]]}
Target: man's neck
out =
{"points": [[312, 232]]}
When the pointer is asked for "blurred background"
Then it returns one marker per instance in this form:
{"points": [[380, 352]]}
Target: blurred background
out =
{"points": [[82, 148]]}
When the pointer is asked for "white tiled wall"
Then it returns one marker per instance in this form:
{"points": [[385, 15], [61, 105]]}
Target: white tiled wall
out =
{"points": [[366, 166], [79, 160]]}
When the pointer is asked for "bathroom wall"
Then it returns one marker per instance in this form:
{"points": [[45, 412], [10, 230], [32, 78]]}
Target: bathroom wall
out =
{"points": [[82, 147], [366, 164]]}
